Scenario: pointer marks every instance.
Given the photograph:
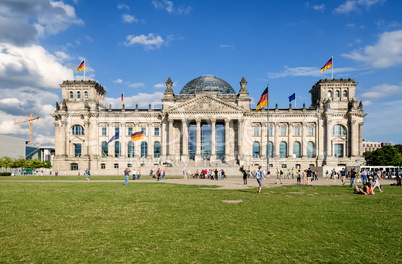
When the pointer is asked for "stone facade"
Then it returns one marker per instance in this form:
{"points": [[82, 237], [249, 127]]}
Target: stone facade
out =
{"points": [[207, 128]]}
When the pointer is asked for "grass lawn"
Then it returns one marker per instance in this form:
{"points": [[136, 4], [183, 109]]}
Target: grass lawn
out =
{"points": [[75, 222]]}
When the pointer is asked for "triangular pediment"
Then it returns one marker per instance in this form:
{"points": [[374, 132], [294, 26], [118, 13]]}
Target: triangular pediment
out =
{"points": [[205, 104]]}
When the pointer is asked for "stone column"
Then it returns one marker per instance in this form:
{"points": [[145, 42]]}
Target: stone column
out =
{"points": [[227, 140], [276, 140], [241, 139], [184, 127], [354, 138], [169, 143], [303, 142], [213, 138], [123, 140], [151, 140], [290, 141], [163, 135], [198, 140]]}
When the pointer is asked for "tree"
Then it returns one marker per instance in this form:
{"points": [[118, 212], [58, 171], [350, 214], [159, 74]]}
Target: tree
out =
{"points": [[385, 156]]}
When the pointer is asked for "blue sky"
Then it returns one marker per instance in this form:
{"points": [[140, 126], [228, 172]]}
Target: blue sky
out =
{"points": [[132, 47]]}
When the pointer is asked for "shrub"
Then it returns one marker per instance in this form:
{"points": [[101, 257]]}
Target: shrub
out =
{"points": [[5, 173]]}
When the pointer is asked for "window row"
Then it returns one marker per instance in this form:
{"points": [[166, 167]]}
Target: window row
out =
{"points": [[130, 149], [283, 150], [130, 131], [78, 94], [338, 93], [74, 166], [283, 131]]}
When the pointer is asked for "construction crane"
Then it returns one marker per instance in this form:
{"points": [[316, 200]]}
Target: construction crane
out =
{"points": [[30, 119]]}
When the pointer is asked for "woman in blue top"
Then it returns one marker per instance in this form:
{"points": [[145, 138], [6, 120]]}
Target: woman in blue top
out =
{"points": [[260, 177]]}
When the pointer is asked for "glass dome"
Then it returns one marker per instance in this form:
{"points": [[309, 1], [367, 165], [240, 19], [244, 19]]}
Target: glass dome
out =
{"points": [[207, 84]]}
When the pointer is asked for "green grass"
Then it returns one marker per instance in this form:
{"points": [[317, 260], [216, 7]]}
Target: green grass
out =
{"points": [[73, 222]]}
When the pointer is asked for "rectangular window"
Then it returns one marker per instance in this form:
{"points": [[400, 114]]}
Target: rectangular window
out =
{"points": [[77, 150], [74, 166], [116, 165], [129, 165], [297, 131], [270, 131], [144, 130], [116, 130], [103, 166], [256, 131], [310, 131], [283, 131], [338, 150], [156, 131], [104, 131], [129, 131]]}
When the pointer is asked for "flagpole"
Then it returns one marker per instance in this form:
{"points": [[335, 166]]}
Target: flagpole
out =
{"points": [[332, 68], [295, 100], [267, 129], [84, 67]]}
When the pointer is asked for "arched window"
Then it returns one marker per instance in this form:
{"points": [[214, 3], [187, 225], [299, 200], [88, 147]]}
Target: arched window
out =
{"points": [[117, 149], [104, 149], [78, 94], [144, 149], [339, 130], [256, 149], [270, 150], [330, 94], [77, 130], [310, 149], [85, 94], [283, 150], [296, 149], [345, 93], [157, 149], [130, 149], [71, 94], [337, 94]]}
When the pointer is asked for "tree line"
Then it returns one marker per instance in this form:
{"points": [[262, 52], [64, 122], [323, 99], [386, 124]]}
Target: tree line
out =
{"points": [[8, 162], [385, 156]]}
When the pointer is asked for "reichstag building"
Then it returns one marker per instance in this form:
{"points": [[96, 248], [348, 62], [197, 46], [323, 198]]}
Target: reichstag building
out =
{"points": [[207, 125]]}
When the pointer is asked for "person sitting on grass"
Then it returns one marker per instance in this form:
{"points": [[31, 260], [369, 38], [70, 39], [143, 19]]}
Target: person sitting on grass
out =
{"points": [[366, 189]]}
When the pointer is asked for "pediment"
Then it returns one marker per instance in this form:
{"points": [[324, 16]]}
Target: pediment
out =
{"points": [[205, 104]]}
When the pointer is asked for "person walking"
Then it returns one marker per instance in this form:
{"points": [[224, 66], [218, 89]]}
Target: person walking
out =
{"points": [[353, 177], [260, 177], [278, 175], [87, 175], [245, 176], [126, 176]]}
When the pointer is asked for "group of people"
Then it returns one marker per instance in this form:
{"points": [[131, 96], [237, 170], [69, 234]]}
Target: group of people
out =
{"points": [[136, 174], [212, 174]]}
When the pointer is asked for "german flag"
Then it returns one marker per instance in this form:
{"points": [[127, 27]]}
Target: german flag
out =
{"points": [[327, 65], [263, 100], [137, 136], [82, 66]]}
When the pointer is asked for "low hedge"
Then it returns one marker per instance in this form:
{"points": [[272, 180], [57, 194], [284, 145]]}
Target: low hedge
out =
{"points": [[5, 173]]}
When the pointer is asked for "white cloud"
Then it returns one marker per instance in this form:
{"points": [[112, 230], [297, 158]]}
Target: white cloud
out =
{"points": [[137, 85], [383, 119], [118, 81], [30, 66], [381, 91], [128, 18], [306, 71], [23, 21], [169, 7], [355, 5], [159, 85], [123, 6], [387, 52], [150, 42]]}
